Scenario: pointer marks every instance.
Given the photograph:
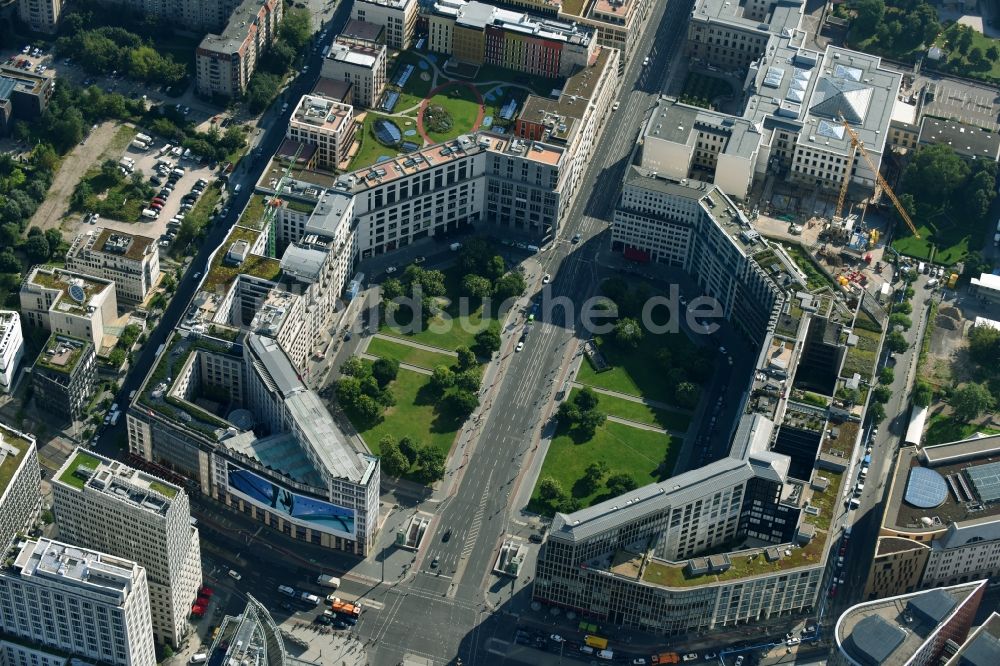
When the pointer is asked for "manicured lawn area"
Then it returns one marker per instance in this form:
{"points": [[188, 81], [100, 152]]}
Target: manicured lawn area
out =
{"points": [[625, 449], [701, 90], [371, 149], [861, 357], [444, 330], [461, 105], [412, 416], [538, 84], [944, 428], [826, 500], [948, 240], [634, 371], [407, 354], [163, 489], [81, 460], [416, 87], [636, 411]]}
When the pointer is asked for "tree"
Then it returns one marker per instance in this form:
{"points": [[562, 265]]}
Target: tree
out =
{"points": [[394, 463], [896, 342], [460, 402], [628, 332], [877, 412], [296, 28], [934, 174], [466, 359], [37, 249], [409, 449], [901, 320], [476, 286], [391, 288], [586, 399], [355, 367], [348, 391], [881, 394], [442, 378], [367, 408], [549, 489], [923, 394], [963, 39], [984, 346], [261, 90], [117, 357], [54, 237], [431, 464], [886, 376], [993, 54], [976, 55], [594, 474], [687, 394], [384, 370], [568, 413], [587, 424], [869, 14], [904, 308], [510, 285], [9, 262], [487, 341], [620, 483], [468, 380], [495, 267], [849, 395], [970, 400]]}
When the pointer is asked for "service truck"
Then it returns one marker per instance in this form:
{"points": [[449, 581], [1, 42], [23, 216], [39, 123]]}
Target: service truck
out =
{"points": [[328, 581], [145, 138], [339, 606], [606, 655], [666, 658], [596, 642]]}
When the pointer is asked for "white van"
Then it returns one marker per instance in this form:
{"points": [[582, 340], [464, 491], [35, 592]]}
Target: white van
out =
{"points": [[236, 189], [933, 282], [198, 658], [921, 267], [149, 212]]}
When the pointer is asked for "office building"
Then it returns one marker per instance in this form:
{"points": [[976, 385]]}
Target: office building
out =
{"points": [[363, 67], [326, 124], [11, 348], [23, 95], [69, 303], [362, 33], [982, 647], [28, 653], [619, 24], [20, 496], [942, 519], [918, 628], [730, 36], [77, 600], [225, 62], [131, 262], [40, 15], [64, 376], [968, 141], [105, 505], [397, 17], [478, 33]]}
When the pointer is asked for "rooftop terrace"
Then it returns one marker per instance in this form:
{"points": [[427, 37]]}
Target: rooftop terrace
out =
{"points": [[62, 353], [124, 483], [14, 447], [68, 299]]}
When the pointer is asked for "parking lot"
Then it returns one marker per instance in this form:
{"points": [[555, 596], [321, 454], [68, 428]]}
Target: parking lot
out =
{"points": [[966, 102]]}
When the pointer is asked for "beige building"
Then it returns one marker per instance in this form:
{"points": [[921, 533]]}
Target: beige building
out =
{"points": [[942, 519], [226, 61], [194, 15], [619, 23], [68, 303], [398, 17], [40, 15], [131, 262], [326, 124], [103, 504], [361, 66]]}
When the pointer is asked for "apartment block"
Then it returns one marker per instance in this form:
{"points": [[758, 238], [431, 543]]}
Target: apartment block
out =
{"points": [[942, 520], [11, 348], [64, 376], [20, 496], [68, 303], [77, 600], [398, 17], [40, 15], [194, 15], [363, 67], [480, 33], [225, 62], [362, 33], [103, 504], [619, 24], [918, 628], [326, 124], [28, 653], [131, 262]]}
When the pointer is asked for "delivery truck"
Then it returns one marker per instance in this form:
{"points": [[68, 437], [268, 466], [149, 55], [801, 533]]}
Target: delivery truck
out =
{"points": [[339, 606], [596, 642], [328, 581]]}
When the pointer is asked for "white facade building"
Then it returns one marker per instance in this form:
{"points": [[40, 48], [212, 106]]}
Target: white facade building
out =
{"points": [[11, 348], [93, 605], [68, 303], [115, 508], [131, 262], [398, 17], [361, 66], [20, 496], [326, 124]]}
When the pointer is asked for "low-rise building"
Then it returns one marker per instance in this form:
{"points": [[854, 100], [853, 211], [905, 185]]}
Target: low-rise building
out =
{"points": [[225, 62], [11, 348], [363, 67], [986, 288], [64, 376], [397, 17], [918, 628], [968, 141], [326, 124], [90, 604], [131, 262], [20, 494], [23, 95], [68, 303], [40, 15]]}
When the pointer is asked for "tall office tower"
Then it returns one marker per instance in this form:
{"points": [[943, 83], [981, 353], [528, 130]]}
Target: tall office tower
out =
{"points": [[104, 504], [19, 483], [92, 605]]}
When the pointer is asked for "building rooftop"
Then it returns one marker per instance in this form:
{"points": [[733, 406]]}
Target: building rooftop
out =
{"points": [[119, 243], [966, 140], [982, 647], [241, 22], [572, 102], [62, 353], [14, 79], [76, 289], [14, 447], [951, 489], [333, 88], [314, 111], [783, 15], [249, 638], [676, 122], [105, 576], [478, 15], [362, 31], [355, 54], [889, 632], [90, 470]]}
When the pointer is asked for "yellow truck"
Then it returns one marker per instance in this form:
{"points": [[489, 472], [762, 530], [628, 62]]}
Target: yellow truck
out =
{"points": [[596, 642]]}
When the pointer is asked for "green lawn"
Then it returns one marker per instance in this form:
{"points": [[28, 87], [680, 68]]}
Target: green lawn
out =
{"points": [[538, 84], [407, 354], [701, 90], [625, 449], [416, 87], [461, 105], [444, 331], [371, 149], [81, 459], [944, 428], [636, 411], [861, 357], [412, 416], [632, 371], [950, 241]]}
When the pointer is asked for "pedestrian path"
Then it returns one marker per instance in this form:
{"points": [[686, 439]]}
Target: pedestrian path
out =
{"points": [[645, 426], [404, 366], [633, 398], [414, 344]]}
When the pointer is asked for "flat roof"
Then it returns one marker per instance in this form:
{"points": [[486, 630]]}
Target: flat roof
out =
{"points": [[676, 122], [104, 576], [987, 281], [122, 244], [333, 88], [363, 31], [62, 353], [964, 139], [14, 447], [62, 280], [236, 30], [889, 632], [316, 111], [982, 647], [355, 54], [138, 489]]}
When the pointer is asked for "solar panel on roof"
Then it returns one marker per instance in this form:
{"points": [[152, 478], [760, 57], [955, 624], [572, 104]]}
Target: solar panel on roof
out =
{"points": [[925, 488], [76, 293], [986, 480]]}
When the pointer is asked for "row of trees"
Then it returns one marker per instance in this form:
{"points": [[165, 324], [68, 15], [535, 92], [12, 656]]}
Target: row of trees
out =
{"points": [[894, 28], [456, 387], [426, 463], [551, 491], [485, 273], [286, 52], [937, 180], [580, 416], [103, 50]]}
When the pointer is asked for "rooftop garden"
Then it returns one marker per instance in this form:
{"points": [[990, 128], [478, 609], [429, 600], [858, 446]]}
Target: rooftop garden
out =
{"points": [[816, 279], [862, 356], [300, 206], [252, 214], [825, 501], [11, 462], [45, 360], [163, 489], [81, 459], [222, 274]]}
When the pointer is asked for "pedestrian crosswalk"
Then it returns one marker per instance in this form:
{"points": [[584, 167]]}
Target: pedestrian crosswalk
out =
{"points": [[477, 521]]}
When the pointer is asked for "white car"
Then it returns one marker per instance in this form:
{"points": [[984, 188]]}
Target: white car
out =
{"points": [[546, 278], [614, 107], [556, 638], [691, 656], [234, 575], [520, 346], [645, 61], [796, 640], [390, 269]]}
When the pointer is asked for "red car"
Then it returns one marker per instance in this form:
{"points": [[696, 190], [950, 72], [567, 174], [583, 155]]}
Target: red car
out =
{"points": [[159, 200]]}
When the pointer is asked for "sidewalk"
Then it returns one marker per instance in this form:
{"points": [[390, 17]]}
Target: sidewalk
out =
{"points": [[633, 398]]}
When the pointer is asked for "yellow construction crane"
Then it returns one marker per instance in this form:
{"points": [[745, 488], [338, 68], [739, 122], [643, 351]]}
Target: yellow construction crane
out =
{"points": [[858, 145]]}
